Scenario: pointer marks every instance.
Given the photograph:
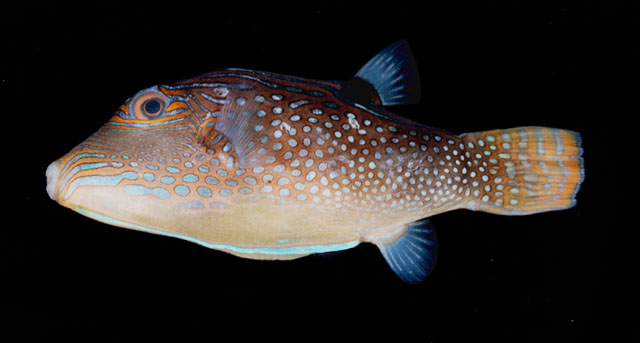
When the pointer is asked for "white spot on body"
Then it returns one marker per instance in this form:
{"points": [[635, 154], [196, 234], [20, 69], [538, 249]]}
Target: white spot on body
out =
{"points": [[286, 128], [283, 181], [284, 192], [354, 123]]}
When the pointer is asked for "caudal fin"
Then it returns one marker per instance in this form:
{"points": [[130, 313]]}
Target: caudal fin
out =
{"points": [[524, 170]]}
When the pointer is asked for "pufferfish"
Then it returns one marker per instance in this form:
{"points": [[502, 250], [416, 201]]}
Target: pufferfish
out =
{"points": [[275, 167]]}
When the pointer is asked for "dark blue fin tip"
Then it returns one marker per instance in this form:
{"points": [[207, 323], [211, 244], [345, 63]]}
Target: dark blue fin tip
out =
{"points": [[413, 255], [394, 74]]}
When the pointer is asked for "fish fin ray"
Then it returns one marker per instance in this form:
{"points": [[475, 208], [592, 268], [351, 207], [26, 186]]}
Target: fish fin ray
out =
{"points": [[413, 255], [243, 120], [530, 170], [394, 74]]}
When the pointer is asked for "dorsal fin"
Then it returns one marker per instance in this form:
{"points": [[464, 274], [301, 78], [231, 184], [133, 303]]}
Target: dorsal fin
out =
{"points": [[394, 74]]}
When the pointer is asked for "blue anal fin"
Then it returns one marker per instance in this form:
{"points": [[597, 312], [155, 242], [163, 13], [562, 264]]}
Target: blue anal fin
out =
{"points": [[413, 255], [394, 74]]}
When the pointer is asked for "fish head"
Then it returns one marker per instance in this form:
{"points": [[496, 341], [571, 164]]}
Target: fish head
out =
{"points": [[146, 164]]}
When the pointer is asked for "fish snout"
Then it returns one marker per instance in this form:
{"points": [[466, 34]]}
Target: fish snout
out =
{"points": [[52, 173]]}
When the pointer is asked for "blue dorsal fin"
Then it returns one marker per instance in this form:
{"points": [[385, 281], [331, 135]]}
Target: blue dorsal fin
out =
{"points": [[413, 255], [394, 74]]}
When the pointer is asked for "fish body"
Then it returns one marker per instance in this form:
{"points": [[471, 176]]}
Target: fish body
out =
{"points": [[268, 166]]}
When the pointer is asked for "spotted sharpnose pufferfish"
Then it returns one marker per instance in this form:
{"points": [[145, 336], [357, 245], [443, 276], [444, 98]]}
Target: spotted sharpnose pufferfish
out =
{"points": [[268, 166]]}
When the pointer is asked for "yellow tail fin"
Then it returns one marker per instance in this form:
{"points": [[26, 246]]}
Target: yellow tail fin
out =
{"points": [[525, 170]]}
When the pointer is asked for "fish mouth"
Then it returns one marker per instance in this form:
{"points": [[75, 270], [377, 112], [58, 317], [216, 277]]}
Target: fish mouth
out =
{"points": [[52, 174]]}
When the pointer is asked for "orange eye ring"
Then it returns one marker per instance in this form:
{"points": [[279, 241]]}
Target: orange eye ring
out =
{"points": [[148, 104]]}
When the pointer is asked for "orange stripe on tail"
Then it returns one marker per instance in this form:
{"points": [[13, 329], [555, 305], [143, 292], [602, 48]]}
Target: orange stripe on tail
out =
{"points": [[524, 170]]}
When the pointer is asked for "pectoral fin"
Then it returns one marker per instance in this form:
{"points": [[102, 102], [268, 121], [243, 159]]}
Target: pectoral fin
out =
{"points": [[243, 120]]}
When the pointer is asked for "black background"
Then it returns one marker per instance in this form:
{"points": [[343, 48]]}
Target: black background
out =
{"points": [[483, 65]]}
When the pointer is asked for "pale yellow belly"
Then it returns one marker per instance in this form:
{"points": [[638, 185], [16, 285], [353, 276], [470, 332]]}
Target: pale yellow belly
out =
{"points": [[254, 228]]}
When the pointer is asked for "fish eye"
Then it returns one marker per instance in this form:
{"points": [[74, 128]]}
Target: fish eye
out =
{"points": [[152, 107], [148, 104]]}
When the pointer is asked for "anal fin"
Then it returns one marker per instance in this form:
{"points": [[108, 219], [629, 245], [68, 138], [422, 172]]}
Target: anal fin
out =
{"points": [[413, 255]]}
